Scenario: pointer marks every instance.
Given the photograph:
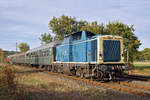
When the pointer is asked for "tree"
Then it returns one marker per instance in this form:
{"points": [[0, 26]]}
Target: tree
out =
{"points": [[46, 38], [23, 47], [131, 42], [1, 55], [144, 55], [94, 27], [65, 25]]}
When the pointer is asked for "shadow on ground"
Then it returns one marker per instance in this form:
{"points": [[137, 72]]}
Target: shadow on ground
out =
{"points": [[81, 95]]}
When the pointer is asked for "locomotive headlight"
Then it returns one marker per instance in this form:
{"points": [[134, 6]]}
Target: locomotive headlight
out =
{"points": [[100, 55], [122, 55]]}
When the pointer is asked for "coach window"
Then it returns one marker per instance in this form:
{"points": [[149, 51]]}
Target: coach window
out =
{"points": [[33, 55], [47, 51], [76, 36], [50, 51], [40, 53], [29, 55], [43, 53]]}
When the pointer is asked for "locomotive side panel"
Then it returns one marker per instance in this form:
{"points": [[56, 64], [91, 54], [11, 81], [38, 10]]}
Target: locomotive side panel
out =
{"points": [[64, 51], [92, 51]]}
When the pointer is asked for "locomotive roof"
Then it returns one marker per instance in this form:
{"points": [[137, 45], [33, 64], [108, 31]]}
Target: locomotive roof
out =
{"points": [[78, 32], [17, 54], [52, 44]]}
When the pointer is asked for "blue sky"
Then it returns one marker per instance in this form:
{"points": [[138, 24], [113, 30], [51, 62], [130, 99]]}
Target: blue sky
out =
{"points": [[25, 20]]}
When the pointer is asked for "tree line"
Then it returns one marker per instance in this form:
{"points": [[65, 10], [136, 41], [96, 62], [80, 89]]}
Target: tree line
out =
{"points": [[143, 55]]}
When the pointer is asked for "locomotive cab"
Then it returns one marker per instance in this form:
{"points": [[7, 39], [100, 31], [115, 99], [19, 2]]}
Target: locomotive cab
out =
{"points": [[110, 50], [110, 55]]}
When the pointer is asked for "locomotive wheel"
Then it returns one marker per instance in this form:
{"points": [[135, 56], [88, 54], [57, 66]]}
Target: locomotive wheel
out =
{"points": [[114, 77], [49, 68], [73, 72], [98, 75], [80, 73]]}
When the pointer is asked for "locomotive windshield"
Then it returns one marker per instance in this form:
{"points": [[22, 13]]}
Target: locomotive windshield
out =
{"points": [[111, 51]]}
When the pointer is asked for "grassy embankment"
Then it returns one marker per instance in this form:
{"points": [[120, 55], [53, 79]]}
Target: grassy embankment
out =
{"points": [[142, 68]]}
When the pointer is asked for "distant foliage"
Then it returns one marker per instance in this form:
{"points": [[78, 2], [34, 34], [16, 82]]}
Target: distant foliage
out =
{"points": [[7, 53], [46, 38], [23, 47], [143, 55], [1, 55], [10, 89]]}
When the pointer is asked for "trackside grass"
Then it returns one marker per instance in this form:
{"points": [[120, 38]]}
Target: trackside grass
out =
{"points": [[26, 83], [142, 68]]}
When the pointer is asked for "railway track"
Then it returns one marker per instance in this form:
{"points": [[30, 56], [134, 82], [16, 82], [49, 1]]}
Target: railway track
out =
{"points": [[120, 86], [137, 77]]}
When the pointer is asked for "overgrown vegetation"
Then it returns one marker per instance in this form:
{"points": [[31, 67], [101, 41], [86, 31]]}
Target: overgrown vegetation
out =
{"points": [[1, 55], [9, 87], [142, 69]]}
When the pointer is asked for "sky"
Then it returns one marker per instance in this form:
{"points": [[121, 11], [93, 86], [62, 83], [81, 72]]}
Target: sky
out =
{"points": [[26, 20]]}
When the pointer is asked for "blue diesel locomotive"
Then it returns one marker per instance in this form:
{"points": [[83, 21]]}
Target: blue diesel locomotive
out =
{"points": [[81, 54]]}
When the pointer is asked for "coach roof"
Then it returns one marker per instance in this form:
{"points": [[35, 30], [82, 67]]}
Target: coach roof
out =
{"points": [[52, 44]]}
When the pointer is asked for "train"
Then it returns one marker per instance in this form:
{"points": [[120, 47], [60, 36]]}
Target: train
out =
{"points": [[83, 54]]}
